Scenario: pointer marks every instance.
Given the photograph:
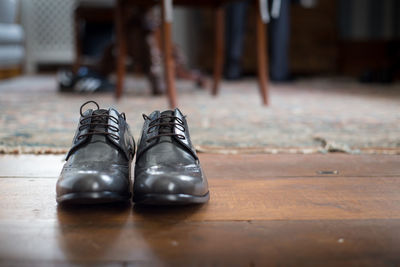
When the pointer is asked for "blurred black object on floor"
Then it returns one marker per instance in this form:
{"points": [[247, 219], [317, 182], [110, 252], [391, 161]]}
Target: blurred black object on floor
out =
{"points": [[84, 80]]}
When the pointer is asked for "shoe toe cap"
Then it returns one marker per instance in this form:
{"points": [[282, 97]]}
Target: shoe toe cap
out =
{"points": [[169, 181], [82, 181]]}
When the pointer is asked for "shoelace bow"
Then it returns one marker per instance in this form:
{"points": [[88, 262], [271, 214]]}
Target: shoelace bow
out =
{"points": [[98, 120], [166, 124]]}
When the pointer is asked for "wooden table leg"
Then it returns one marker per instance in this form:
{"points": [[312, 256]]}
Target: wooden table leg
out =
{"points": [[219, 47], [121, 47], [169, 65], [262, 57]]}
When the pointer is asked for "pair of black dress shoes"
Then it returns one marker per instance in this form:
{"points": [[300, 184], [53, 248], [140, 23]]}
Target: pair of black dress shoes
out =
{"points": [[98, 166]]}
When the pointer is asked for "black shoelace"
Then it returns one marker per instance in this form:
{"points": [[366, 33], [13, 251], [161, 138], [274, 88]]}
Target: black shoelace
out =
{"points": [[98, 118], [166, 124]]}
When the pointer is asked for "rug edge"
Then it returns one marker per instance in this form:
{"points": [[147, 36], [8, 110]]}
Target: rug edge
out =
{"points": [[16, 150]]}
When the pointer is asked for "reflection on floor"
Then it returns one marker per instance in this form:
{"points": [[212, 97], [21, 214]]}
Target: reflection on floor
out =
{"points": [[286, 209]]}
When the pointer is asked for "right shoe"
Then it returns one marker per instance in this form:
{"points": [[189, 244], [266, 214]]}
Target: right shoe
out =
{"points": [[167, 170], [98, 164]]}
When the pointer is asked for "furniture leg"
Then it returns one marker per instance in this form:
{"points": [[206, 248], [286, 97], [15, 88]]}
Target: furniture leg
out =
{"points": [[121, 47], [169, 68], [262, 57], [219, 48]]}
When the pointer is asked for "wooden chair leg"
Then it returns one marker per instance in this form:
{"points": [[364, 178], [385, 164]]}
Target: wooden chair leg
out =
{"points": [[169, 65], [121, 47], [219, 48], [262, 57]]}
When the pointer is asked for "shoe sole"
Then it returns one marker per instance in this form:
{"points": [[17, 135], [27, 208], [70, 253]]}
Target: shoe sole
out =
{"points": [[92, 198], [170, 199]]}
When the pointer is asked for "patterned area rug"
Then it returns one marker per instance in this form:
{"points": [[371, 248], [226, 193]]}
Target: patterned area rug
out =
{"points": [[306, 116]]}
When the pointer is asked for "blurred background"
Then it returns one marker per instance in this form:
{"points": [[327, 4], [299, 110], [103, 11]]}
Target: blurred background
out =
{"points": [[333, 70], [358, 38]]}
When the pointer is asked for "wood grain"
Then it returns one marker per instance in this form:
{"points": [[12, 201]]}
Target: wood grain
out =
{"points": [[264, 210], [293, 243], [233, 200], [294, 165], [235, 166], [31, 165]]}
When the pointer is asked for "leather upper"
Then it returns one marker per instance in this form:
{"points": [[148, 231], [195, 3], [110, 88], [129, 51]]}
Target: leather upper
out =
{"points": [[168, 164], [125, 142], [146, 135], [99, 162]]}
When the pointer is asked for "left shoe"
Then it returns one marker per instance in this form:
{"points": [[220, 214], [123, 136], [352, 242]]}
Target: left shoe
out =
{"points": [[167, 170], [99, 163]]}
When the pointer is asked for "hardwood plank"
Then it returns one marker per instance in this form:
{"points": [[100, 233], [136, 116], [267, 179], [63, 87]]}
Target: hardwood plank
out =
{"points": [[263, 243], [31, 165], [295, 165], [264, 210], [235, 166], [313, 198]]}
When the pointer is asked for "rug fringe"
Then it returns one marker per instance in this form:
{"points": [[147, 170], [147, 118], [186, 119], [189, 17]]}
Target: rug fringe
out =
{"points": [[32, 150], [294, 150], [223, 150]]}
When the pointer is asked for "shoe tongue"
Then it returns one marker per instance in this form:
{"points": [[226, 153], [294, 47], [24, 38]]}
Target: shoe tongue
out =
{"points": [[100, 111], [167, 113], [101, 120], [166, 118]]}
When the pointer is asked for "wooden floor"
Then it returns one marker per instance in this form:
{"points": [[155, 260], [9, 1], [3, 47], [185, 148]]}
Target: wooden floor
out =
{"points": [[326, 210]]}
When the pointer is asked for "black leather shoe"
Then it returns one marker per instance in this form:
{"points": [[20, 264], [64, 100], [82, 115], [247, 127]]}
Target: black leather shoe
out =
{"points": [[98, 164], [167, 170]]}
